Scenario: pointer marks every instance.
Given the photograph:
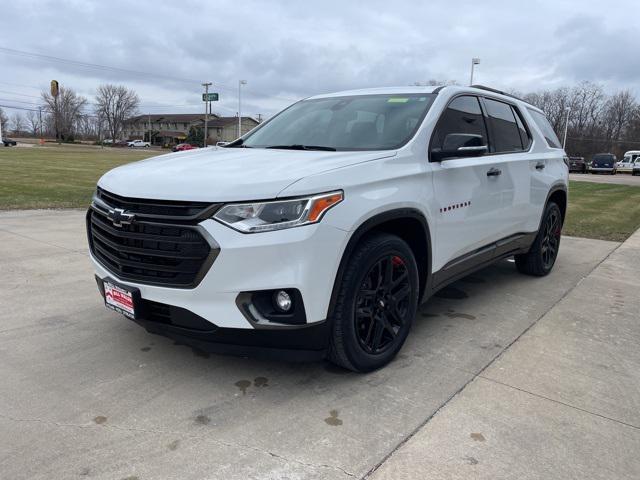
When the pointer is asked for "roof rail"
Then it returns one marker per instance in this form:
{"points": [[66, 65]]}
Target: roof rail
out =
{"points": [[489, 89]]}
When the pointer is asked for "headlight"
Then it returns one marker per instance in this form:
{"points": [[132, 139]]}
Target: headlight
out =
{"points": [[277, 215]]}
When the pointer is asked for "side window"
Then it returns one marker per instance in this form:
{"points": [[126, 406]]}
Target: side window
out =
{"points": [[504, 128], [547, 130], [462, 116], [524, 134]]}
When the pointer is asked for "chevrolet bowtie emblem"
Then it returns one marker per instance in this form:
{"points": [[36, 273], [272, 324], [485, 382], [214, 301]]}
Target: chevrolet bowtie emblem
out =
{"points": [[119, 217]]}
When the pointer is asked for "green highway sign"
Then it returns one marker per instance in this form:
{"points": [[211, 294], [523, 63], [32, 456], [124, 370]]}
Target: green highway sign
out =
{"points": [[210, 97]]}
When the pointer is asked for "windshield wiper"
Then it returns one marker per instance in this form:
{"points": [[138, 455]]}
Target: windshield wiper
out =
{"points": [[302, 147], [237, 144]]}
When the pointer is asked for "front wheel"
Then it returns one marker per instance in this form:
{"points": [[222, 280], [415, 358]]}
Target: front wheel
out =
{"points": [[376, 304], [541, 257]]}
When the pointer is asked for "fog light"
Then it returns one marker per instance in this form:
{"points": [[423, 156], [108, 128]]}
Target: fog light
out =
{"points": [[282, 301]]}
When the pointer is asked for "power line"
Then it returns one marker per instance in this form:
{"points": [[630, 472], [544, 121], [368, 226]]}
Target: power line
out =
{"points": [[20, 85], [97, 66], [50, 58], [19, 94], [603, 140]]}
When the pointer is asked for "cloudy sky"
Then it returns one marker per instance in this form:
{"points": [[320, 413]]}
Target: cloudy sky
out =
{"points": [[289, 49]]}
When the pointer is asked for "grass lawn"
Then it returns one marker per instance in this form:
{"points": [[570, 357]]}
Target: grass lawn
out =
{"points": [[57, 176], [607, 212], [62, 176]]}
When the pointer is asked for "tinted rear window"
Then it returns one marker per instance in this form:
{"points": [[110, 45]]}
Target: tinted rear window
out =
{"points": [[547, 130], [603, 158]]}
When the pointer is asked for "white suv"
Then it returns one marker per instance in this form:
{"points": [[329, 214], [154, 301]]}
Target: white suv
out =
{"points": [[319, 233]]}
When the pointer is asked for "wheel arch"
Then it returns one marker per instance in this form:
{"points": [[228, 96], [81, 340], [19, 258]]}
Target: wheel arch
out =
{"points": [[407, 223], [558, 194]]}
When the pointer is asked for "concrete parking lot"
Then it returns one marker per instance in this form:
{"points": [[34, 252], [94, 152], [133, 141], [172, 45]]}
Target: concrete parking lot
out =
{"points": [[503, 376], [618, 179]]}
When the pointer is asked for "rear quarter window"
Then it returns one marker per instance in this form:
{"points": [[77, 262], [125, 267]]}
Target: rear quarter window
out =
{"points": [[546, 128]]}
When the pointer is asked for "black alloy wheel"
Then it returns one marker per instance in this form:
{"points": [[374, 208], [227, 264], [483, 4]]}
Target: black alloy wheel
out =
{"points": [[382, 304], [376, 302], [541, 257], [551, 238]]}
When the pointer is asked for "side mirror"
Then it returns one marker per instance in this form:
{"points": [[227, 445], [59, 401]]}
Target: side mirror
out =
{"points": [[459, 145]]}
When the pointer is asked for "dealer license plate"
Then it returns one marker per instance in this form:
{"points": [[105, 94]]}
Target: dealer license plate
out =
{"points": [[120, 299]]}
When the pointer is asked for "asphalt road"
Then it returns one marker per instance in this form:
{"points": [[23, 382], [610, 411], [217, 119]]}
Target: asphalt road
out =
{"points": [[88, 394], [618, 179]]}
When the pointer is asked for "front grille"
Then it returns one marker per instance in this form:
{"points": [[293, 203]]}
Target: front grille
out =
{"points": [[164, 210], [157, 248]]}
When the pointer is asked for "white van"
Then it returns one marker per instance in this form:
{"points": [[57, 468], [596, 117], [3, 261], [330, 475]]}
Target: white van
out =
{"points": [[630, 158]]}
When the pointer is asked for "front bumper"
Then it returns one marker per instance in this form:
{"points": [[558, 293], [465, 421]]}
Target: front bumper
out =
{"points": [[303, 258], [602, 169], [300, 343]]}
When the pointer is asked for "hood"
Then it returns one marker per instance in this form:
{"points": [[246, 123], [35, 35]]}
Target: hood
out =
{"points": [[225, 174]]}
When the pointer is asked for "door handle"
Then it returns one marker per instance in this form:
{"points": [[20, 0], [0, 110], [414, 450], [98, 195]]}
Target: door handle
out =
{"points": [[540, 166], [494, 172]]}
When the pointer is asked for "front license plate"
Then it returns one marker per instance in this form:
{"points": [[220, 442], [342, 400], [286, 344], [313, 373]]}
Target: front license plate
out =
{"points": [[120, 299]]}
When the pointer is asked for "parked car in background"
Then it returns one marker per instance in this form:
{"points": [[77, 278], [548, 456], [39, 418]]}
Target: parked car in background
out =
{"points": [[322, 239], [635, 170], [138, 143], [603, 163], [577, 164], [181, 147], [628, 161], [9, 143]]}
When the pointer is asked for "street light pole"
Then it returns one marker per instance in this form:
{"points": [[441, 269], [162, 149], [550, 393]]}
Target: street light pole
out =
{"points": [[566, 127], [206, 111], [474, 62], [240, 83]]}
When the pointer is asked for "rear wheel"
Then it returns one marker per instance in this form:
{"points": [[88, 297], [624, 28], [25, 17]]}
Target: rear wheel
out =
{"points": [[376, 304], [541, 257]]}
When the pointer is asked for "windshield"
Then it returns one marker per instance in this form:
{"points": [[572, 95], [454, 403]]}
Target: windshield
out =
{"points": [[363, 122]]}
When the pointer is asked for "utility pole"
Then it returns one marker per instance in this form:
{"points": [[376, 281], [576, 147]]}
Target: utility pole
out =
{"points": [[474, 62], [149, 118], [206, 111], [40, 120], [566, 127], [259, 118], [100, 132], [1, 144], [55, 89], [240, 83]]}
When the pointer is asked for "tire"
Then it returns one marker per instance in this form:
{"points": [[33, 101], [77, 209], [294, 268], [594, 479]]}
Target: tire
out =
{"points": [[541, 257], [372, 317]]}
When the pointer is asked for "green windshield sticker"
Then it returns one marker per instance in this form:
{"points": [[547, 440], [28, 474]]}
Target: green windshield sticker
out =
{"points": [[397, 100]]}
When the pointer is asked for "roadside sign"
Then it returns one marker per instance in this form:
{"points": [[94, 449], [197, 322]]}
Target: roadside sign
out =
{"points": [[54, 88], [210, 97]]}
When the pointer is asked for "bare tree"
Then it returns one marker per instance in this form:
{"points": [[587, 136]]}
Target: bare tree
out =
{"points": [[89, 127], [66, 111], [4, 121], [598, 121], [114, 104], [18, 123], [33, 122], [620, 110]]}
